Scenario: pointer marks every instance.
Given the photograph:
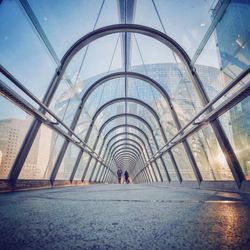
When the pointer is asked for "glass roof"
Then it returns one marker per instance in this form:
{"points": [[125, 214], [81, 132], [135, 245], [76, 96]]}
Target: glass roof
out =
{"points": [[95, 72]]}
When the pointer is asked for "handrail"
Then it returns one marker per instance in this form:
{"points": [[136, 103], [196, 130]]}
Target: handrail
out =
{"points": [[192, 121], [37, 101]]}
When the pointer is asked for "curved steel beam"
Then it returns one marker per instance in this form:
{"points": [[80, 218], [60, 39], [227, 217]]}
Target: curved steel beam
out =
{"points": [[128, 152], [161, 37], [123, 134], [122, 151], [120, 160], [126, 139], [120, 148], [123, 99], [131, 140], [154, 139], [135, 128], [129, 134], [118, 28], [128, 115], [142, 132], [108, 161], [126, 163], [125, 152], [149, 108]]}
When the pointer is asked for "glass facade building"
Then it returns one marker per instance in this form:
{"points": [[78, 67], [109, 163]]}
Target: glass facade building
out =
{"points": [[158, 88]]}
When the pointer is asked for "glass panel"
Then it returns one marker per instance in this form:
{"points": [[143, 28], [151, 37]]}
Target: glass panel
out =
{"points": [[68, 162], [236, 123], [162, 170], [157, 61], [17, 46], [151, 166], [14, 124], [209, 156], [90, 169], [43, 154], [143, 91], [188, 33], [83, 124], [69, 92], [170, 167], [183, 163], [111, 124], [61, 19], [81, 166], [99, 174], [227, 52], [156, 171], [144, 128], [96, 171], [104, 93]]}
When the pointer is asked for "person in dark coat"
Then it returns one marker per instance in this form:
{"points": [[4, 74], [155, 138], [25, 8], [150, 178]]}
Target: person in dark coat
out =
{"points": [[119, 175], [126, 175]]}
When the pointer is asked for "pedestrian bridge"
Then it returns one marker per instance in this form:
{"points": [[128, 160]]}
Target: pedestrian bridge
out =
{"points": [[159, 89]]}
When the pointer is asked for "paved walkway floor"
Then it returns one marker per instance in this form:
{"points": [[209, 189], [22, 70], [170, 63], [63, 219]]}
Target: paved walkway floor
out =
{"points": [[124, 217]]}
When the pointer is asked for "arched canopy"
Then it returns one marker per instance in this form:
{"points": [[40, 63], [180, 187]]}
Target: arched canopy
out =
{"points": [[88, 118]]}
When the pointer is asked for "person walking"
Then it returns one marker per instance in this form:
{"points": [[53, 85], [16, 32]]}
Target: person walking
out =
{"points": [[126, 175], [119, 175]]}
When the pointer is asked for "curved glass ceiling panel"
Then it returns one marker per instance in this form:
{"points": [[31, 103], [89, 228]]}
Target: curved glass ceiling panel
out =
{"points": [[84, 17], [185, 21], [17, 45], [113, 133], [143, 91], [103, 56], [110, 111], [144, 128], [139, 110], [129, 130], [123, 137], [128, 142], [145, 51], [154, 59], [113, 123], [104, 93]]}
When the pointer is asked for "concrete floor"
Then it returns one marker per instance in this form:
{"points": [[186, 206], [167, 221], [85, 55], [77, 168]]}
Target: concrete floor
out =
{"points": [[124, 217]]}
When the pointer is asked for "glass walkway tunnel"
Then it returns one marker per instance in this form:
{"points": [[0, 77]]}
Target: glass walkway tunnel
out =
{"points": [[157, 88]]}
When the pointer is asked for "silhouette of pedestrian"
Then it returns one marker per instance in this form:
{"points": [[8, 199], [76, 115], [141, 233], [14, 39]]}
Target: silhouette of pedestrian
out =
{"points": [[126, 175], [119, 175]]}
